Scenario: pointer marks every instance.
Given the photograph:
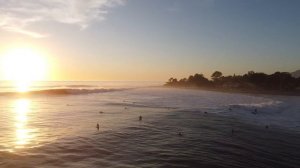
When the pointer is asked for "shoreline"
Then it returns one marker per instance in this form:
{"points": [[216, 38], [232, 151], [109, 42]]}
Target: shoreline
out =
{"points": [[251, 92]]}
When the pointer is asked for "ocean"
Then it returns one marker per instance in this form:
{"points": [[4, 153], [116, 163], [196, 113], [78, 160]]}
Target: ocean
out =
{"points": [[54, 125]]}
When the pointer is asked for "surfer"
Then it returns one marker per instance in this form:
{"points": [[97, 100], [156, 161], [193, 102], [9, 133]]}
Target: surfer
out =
{"points": [[266, 126], [97, 126], [140, 118], [255, 111]]}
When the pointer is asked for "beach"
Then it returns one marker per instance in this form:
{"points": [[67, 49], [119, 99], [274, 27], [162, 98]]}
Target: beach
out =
{"points": [[179, 127]]}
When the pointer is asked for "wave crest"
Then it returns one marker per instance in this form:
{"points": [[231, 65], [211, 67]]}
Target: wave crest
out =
{"points": [[64, 91], [256, 105]]}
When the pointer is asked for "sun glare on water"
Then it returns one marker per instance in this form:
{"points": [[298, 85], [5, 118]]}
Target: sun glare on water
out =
{"points": [[22, 107], [23, 66]]}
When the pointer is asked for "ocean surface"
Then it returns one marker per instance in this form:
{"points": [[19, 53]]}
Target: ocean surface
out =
{"points": [[54, 125]]}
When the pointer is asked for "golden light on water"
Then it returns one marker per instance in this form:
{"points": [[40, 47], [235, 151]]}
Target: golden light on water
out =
{"points": [[23, 134], [23, 66]]}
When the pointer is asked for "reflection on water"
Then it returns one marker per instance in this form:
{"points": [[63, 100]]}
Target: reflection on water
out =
{"points": [[23, 134]]}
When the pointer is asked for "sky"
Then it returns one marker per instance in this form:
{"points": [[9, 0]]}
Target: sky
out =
{"points": [[154, 39]]}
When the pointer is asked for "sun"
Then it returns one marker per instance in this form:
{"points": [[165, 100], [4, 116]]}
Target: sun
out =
{"points": [[23, 66]]}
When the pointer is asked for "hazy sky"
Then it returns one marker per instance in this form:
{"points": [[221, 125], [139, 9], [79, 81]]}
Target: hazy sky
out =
{"points": [[154, 39]]}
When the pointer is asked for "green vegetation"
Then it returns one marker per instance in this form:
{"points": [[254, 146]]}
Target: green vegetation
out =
{"points": [[252, 81]]}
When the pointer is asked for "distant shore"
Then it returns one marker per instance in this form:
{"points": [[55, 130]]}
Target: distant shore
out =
{"points": [[252, 92], [278, 83]]}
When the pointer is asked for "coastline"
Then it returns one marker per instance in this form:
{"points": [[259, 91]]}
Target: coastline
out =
{"points": [[251, 92]]}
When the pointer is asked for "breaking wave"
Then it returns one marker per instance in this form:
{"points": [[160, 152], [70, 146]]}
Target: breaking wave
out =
{"points": [[268, 104], [64, 91]]}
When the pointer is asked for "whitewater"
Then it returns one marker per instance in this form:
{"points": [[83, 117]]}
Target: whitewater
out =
{"points": [[54, 125]]}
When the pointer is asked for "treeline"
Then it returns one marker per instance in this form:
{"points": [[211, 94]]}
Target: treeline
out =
{"points": [[278, 81]]}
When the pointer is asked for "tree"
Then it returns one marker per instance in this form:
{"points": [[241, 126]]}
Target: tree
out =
{"points": [[172, 81], [198, 80], [216, 75]]}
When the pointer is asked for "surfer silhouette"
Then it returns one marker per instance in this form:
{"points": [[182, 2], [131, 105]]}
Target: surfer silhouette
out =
{"points": [[266, 126], [97, 126]]}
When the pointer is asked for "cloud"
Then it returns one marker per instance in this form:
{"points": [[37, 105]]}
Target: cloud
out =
{"points": [[17, 15]]}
